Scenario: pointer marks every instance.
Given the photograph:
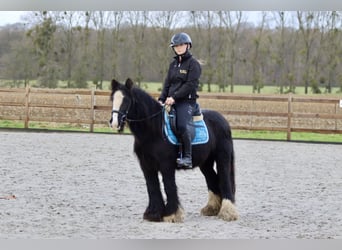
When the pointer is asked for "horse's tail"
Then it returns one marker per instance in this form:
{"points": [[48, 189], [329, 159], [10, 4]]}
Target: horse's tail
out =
{"points": [[232, 174]]}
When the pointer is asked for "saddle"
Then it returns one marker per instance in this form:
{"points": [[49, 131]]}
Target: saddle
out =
{"points": [[198, 128]]}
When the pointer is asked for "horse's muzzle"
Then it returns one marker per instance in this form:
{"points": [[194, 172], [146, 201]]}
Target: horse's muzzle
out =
{"points": [[121, 124]]}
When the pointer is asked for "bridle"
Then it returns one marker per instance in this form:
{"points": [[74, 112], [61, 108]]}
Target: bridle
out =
{"points": [[122, 121], [125, 119]]}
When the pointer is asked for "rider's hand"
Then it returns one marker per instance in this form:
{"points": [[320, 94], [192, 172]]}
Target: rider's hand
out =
{"points": [[170, 101]]}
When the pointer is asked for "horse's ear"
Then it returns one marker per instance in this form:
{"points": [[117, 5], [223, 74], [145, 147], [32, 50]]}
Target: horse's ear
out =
{"points": [[129, 83], [115, 84]]}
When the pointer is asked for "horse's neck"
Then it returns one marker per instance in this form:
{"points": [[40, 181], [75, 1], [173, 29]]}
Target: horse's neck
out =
{"points": [[146, 121]]}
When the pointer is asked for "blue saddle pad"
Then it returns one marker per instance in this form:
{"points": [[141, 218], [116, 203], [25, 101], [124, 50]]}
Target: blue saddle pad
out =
{"points": [[201, 132]]}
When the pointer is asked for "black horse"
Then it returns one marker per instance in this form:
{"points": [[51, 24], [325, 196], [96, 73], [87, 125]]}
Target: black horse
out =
{"points": [[156, 154]]}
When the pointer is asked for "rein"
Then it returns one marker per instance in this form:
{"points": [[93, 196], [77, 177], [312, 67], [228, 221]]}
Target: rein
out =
{"points": [[125, 119], [124, 116]]}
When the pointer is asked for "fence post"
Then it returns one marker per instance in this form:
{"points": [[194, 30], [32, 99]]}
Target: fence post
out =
{"points": [[92, 110], [27, 106], [289, 116], [336, 108]]}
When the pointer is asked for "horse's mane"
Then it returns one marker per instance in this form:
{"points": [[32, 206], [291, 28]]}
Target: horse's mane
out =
{"points": [[146, 107], [143, 98]]}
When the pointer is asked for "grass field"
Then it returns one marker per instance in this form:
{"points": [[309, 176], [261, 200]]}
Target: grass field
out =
{"points": [[295, 136], [237, 134], [156, 87], [238, 89]]}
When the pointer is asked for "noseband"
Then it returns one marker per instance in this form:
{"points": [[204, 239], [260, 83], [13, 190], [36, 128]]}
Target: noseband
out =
{"points": [[122, 121]]}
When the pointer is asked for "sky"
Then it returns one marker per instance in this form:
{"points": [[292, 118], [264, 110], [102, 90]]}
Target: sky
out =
{"points": [[9, 17]]}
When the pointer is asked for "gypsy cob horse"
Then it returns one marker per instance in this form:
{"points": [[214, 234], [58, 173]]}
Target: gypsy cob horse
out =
{"points": [[215, 158]]}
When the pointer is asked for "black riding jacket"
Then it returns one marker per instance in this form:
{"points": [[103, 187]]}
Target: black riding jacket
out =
{"points": [[182, 79]]}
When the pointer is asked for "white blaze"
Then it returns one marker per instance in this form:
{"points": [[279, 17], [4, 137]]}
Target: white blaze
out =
{"points": [[117, 101]]}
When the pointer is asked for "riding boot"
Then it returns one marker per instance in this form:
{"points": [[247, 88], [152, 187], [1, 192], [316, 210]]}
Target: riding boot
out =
{"points": [[186, 160]]}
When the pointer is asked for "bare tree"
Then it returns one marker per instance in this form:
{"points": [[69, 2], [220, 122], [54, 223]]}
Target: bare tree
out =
{"points": [[115, 21], [97, 45], [138, 22], [257, 63], [69, 24], [163, 23], [332, 47], [232, 27], [42, 36], [204, 22], [100, 20], [81, 70], [18, 61], [280, 54], [308, 31]]}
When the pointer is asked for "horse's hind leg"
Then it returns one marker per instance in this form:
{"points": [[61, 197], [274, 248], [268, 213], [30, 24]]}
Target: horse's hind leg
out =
{"points": [[228, 211], [214, 200]]}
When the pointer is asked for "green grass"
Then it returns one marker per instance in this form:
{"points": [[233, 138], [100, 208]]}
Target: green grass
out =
{"points": [[154, 87], [56, 127], [237, 134], [295, 136], [314, 137], [11, 124], [247, 89]]}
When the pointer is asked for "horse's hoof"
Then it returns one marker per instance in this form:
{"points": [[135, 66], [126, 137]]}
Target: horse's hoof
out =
{"points": [[152, 217], [213, 206], [228, 211], [177, 217], [210, 211]]}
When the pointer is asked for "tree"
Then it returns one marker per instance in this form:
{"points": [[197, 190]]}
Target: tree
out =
{"points": [[69, 26], [42, 36], [138, 24], [100, 20], [163, 24], [81, 71], [16, 56], [232, 27], [18, 63], [280, 54], [204, 22], [257, 63], [293, 48], [308, 30], [115, 21], [332, 48]]}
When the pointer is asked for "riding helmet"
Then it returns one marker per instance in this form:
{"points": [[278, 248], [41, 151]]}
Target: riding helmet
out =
{"points": [[180, 38]]}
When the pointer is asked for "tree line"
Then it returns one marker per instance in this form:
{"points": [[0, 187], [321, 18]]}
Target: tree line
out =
{"points": [[281, 48]]}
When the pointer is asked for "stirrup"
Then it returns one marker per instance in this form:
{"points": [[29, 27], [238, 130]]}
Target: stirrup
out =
{"points": [[185, 163]]}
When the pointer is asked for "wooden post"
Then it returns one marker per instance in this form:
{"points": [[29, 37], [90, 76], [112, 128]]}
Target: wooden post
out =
{"points": [[92, 110], [289, 115], [27, 106], [336, 108]]}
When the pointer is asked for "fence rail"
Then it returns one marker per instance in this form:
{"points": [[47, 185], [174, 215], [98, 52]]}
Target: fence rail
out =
{"points": [[245, 112]]}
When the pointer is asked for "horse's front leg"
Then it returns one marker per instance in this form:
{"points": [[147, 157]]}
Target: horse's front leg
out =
{"points": [[156, 206], [173, 210]]}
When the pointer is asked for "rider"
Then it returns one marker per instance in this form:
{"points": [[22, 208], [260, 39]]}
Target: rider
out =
{"points": [[180, 90]]}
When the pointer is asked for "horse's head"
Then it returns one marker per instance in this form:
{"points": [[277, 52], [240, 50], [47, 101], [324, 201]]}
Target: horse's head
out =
{"points": [[121, 99]]}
